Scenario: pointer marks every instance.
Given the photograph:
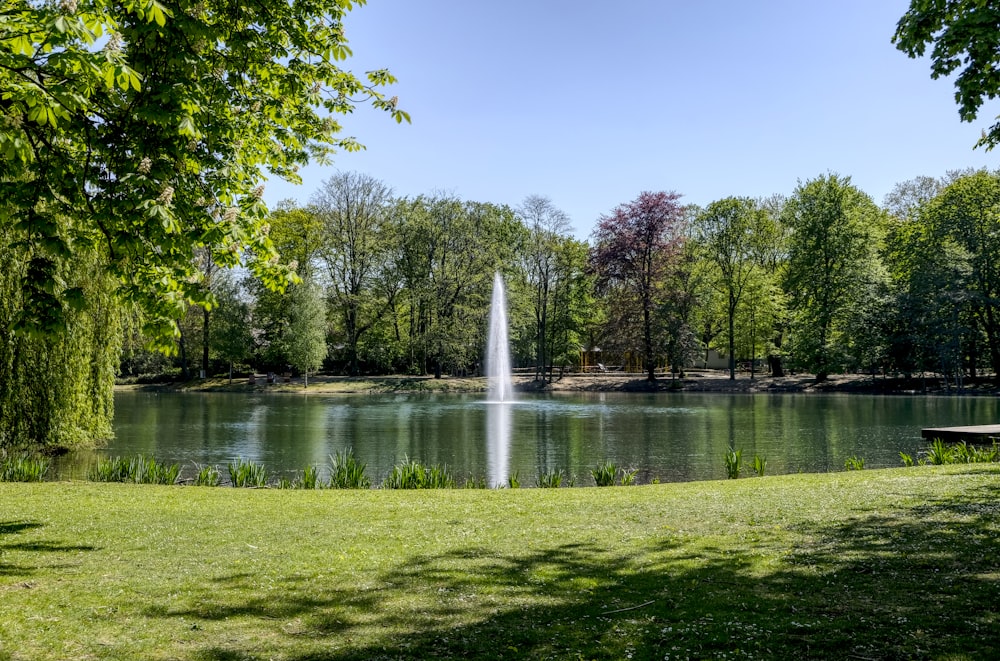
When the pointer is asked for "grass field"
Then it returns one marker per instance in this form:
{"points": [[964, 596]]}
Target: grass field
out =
{"points": [[892, 564]]}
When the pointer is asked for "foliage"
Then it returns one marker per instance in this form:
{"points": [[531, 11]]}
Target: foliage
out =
{"points": [[549, 479], [139, 469], [305, 340], [514, 480], [247, 474], [414, 475], [759, 465], [964, 36], [208, 476], [634, 249], [854, 463], [831, 252], [734, 463], [144, 131], [604, 474], [23, 468], [356, 251], [346, 472], [736, 235]]}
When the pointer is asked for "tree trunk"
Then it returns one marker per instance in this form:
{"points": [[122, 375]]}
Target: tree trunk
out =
{"points": [[204, 341], [185, 372]]}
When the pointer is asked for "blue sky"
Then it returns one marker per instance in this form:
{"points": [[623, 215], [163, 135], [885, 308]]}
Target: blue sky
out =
{"points": [[591, 103]]}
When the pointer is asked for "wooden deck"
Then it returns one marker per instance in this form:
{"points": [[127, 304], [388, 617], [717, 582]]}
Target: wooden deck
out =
{"points": [[974, 434]]}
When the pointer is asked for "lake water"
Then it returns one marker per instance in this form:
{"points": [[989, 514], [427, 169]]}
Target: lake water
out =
{"points": [[669, 436]]}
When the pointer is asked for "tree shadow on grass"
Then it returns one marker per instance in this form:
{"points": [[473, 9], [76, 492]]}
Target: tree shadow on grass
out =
{"points": [[15, 527], [915, 582]]}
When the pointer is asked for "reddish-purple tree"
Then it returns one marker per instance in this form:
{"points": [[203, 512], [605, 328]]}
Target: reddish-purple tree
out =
{"points": [[635, 248]]}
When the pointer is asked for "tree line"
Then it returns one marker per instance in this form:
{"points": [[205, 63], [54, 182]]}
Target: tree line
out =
{"points": [[822, 280]]}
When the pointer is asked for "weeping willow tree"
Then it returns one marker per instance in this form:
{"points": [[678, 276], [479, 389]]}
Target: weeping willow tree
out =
{"points": [[56, 389]]}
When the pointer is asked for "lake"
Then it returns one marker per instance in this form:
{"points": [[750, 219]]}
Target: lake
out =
{"points": [[667, 436]]}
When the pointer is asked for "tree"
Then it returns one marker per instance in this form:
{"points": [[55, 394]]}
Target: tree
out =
{"points": [[353, 211], [232, 338], [634, 247], [133, 133], [735, 234], [964, 35], [305, 341], [834, 230], [547, 227], [965, 223]]}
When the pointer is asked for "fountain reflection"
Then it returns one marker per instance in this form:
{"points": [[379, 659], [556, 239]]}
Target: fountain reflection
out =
{"points": [[499, 422]]}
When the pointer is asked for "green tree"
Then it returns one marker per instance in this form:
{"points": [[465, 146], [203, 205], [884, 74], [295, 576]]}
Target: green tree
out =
{"points": [[964, 35], [735, 234], [353, 211], [964, 221], [834, 231], [547, 228], [232, 337], [305, 341], [134, 133]]}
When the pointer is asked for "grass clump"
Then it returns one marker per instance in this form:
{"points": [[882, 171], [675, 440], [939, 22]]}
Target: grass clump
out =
{"points": [[247, 474], [514, 480], [413, 475], [854, 463], [346, 472], [139, 469], [23, 468]]}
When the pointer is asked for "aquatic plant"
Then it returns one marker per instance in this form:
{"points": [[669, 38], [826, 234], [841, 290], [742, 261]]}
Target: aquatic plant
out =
{"points": [[734, 463], [759, 465], [939, 453], [139, 469], [346, 472], [604, 474], [247, 474], [208, 476], [549, 479], [906, 459], [854, 463], [414, 475], [514, 481], [23, 468]]}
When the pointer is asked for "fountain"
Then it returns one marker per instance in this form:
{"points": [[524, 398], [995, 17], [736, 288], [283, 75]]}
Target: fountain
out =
{"points": [[500, 387]]}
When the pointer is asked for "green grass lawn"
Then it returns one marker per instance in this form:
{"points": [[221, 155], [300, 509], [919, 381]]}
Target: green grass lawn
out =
{"points": [[892, 564]]}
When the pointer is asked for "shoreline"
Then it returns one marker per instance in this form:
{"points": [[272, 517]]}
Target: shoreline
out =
{"points": [[700, 381]]}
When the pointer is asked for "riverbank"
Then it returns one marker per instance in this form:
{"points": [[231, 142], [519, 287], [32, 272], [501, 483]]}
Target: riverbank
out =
{"points": [[696, 381], [881, 564]]}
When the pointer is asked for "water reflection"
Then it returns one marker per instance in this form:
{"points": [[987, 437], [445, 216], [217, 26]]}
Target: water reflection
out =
{"points": [[670, 436], [499, 419]]}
